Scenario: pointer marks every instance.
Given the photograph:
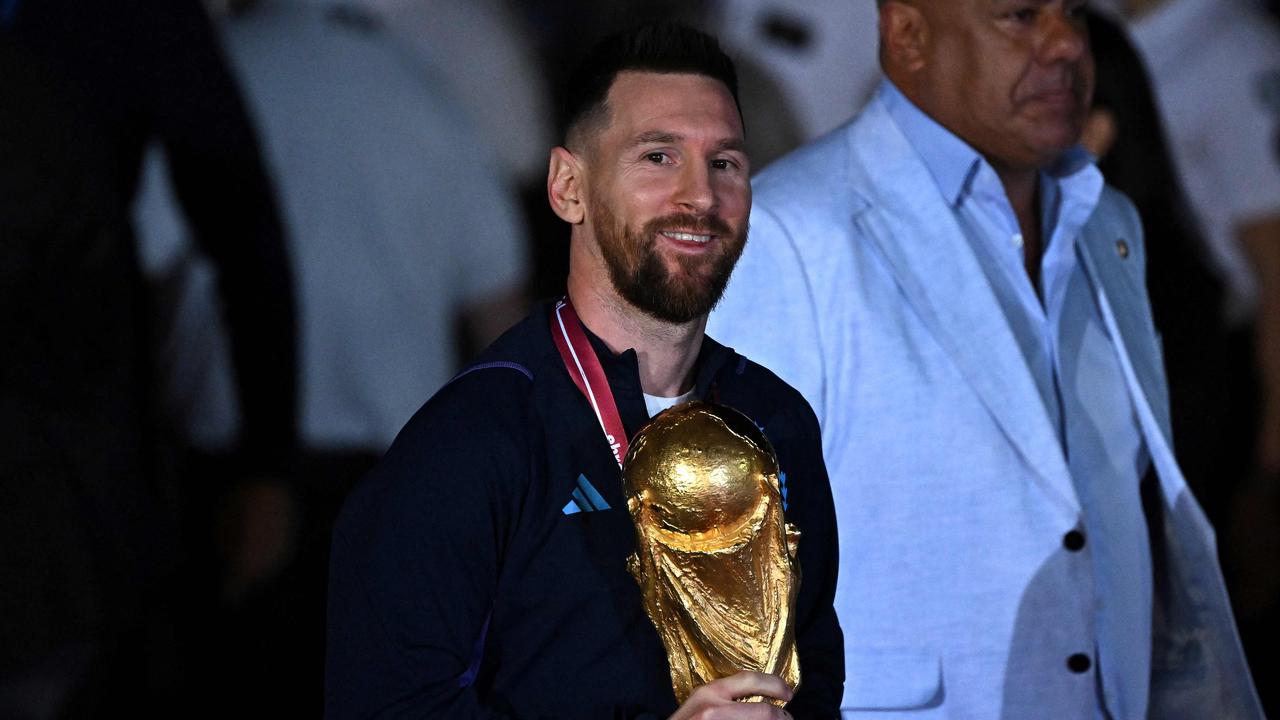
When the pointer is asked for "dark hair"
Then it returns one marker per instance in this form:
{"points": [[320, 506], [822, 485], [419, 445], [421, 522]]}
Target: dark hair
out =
{"points": [[663, 47], [1186, 296], [1141, 165], [1139, 162]]}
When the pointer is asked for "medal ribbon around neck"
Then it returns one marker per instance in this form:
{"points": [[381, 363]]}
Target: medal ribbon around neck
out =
{"points": [[587, 373]]}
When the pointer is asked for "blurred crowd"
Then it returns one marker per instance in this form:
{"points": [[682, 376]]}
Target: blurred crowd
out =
{"points": [[242, 241]]}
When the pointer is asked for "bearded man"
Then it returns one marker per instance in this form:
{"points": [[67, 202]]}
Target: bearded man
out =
{"points": [[480, 569]]}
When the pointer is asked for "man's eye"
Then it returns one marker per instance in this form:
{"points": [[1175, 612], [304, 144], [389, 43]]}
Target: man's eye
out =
{"points": [[1023, 14], [656, 158], [721, 164]]}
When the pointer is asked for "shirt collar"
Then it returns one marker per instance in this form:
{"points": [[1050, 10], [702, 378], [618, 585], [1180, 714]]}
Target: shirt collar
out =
{"points": [[950, 160]]}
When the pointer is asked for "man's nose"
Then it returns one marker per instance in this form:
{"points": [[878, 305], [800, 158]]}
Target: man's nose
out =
{"points": [[694, 191], [1064, 36]]}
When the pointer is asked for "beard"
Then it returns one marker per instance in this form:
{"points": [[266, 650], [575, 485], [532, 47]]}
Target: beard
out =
{"points": [[641, 276]]}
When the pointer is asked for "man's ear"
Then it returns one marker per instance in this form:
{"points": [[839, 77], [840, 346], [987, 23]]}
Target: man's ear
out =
{"points": [[565, 187], [904, 35]]}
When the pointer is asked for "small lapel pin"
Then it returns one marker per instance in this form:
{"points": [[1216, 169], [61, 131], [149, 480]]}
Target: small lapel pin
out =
{"points": [[1122, 249]]}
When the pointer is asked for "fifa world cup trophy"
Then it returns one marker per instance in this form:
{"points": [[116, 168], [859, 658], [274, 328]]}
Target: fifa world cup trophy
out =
{"points": [[714, 557]]}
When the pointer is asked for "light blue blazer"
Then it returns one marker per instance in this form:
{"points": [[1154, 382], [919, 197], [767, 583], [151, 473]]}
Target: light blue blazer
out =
{"points": [[957, 596]]}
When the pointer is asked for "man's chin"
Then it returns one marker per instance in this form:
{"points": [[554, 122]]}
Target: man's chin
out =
{"points": [[676, 303], [1047, 148], [673, 313], [1056, 132]]}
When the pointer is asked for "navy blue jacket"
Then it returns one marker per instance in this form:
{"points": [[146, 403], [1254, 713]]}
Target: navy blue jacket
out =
{"points": [[468, 581]]}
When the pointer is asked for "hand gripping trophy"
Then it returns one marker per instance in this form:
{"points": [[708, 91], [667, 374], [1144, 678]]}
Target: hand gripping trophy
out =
{"points": [[714, 557]]}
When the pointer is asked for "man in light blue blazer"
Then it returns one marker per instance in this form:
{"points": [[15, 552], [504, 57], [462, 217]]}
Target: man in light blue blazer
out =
{"points": [[961, 299]]}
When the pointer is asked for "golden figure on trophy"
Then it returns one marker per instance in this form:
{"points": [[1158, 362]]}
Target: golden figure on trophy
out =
{"points": [[714, 557]]}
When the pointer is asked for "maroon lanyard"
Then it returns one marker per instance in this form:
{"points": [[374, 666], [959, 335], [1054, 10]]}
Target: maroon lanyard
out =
{"points": [[584, 367]]}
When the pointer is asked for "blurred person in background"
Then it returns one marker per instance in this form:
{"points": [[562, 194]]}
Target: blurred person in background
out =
{"points": [[821, 55], [1215, 65], [91, 552], [488, 58], [79, 517], [409, 251], [482, 53]]}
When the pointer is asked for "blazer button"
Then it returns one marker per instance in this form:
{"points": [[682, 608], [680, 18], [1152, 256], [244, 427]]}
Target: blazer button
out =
{"points": [[1122, 249], [1073, 541], [1079, 663]]}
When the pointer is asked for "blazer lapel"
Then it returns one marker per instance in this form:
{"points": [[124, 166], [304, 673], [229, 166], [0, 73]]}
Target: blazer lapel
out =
{"points": [[1120, 298], [938, 273], [1101, 252]]}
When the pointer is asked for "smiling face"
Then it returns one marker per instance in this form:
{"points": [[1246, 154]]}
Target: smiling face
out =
{"points": [[1013, 78], [667, 193]]}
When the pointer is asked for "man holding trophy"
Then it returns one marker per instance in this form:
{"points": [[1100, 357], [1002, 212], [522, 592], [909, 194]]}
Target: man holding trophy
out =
{"points": [[491, 567]]}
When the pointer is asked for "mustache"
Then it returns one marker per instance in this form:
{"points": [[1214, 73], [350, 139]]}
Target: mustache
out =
{"points": [[687, 222]]}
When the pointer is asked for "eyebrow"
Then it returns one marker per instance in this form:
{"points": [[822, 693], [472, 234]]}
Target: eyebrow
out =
{"points": [[661, 137], [657, 136]]}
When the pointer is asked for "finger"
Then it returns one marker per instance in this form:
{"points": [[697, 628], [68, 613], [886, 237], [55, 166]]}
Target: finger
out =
{"points": [[745, 684]]}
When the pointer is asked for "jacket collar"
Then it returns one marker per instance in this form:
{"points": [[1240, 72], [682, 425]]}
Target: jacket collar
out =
{"points": [[623, 371]]}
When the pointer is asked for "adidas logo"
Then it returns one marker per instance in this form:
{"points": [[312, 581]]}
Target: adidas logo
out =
{"points": [[585, 498]]}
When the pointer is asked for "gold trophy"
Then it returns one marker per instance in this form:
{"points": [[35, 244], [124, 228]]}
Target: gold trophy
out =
{"points": [[714, 557]]}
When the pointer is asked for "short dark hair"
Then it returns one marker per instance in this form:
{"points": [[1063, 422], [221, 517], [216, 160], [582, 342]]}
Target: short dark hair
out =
{"points": [[663, 47]]}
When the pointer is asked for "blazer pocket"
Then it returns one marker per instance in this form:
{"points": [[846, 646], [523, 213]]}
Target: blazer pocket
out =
{"points": [[892, 679]]}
